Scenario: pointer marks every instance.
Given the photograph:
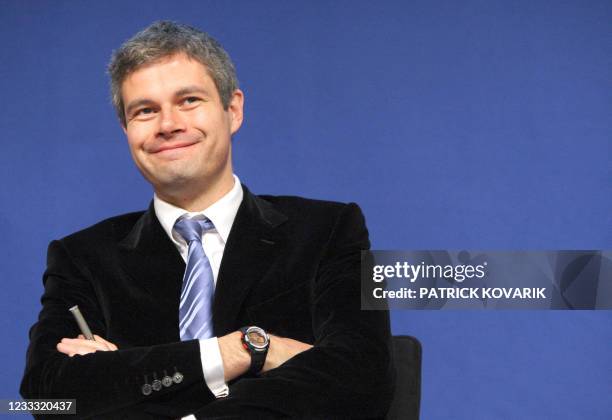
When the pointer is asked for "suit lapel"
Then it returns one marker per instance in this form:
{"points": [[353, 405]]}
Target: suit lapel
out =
{"points": [[156, 267], [249, 253]]}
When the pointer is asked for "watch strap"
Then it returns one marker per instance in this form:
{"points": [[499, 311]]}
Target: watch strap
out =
{"points": [[258, 356]]}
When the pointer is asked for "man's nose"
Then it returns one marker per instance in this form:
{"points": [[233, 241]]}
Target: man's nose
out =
{"points": [[170, 122]]}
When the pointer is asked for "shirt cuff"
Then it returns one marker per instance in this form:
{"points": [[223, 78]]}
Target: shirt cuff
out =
{"points": [[212, 366]]}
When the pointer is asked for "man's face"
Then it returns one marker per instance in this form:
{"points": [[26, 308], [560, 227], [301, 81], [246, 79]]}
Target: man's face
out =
{"points": [[178, 132]]}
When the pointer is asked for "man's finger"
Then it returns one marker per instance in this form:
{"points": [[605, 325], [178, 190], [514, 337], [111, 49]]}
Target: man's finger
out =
{"points": [[72, 346], [109, 345], [82, 343]]}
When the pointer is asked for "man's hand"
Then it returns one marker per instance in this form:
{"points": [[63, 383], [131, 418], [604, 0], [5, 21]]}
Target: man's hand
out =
{"points": [[80, 345], [236, 359], [282, 349]]}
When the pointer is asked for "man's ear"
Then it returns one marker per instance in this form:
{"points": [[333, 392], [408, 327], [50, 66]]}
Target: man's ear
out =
{"points": [[236, 110]]}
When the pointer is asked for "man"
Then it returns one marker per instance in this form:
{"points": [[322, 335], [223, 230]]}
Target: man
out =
{"points": [[170, 293]]}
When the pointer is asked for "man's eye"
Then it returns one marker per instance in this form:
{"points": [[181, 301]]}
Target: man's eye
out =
{"points": [[143, 111], [191, 100]]}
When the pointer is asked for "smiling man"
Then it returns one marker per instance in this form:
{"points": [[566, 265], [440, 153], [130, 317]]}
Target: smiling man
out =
{"points": [[214, 301], [179, 130]]}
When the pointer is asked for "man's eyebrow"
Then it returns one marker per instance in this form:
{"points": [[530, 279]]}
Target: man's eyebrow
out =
{"points": [[191, 89]]}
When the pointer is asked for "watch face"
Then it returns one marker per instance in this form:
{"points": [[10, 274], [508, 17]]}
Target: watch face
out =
{"points": [[257, 337]]}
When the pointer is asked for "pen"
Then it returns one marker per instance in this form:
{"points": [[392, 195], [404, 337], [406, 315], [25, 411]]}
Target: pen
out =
{"points": [[81, 322]]}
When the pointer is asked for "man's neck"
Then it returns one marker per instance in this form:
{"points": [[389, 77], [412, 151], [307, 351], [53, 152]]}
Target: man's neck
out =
{"points": [[198, 198]]}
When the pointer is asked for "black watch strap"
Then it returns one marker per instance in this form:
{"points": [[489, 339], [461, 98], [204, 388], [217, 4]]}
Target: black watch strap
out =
{"points": [[256, 341]]}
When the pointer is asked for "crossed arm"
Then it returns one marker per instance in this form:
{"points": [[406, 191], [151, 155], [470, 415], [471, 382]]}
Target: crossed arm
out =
{"points": [[236, 360]]}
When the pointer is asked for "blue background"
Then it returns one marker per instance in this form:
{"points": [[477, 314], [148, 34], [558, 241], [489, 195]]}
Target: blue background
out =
{"points": [[454, 124]]}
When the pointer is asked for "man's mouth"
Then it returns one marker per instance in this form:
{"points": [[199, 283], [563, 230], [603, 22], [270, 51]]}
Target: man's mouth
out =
{"points": [[172, 146]]}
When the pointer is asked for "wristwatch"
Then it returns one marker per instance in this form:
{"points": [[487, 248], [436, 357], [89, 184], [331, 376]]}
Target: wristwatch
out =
{"points": [[256, 341]]}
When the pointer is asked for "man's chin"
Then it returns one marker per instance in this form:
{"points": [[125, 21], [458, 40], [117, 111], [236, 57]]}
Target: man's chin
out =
{"points": [[173, 181]]}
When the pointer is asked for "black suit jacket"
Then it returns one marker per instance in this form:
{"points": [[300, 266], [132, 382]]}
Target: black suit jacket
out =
{"points": [[290, 266]]}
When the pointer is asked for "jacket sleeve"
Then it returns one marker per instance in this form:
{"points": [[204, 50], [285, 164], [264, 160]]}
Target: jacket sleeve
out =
{"points": [[101, 382], [349, 372]]}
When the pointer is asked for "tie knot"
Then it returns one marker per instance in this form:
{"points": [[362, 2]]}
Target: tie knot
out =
{"points": [[191, 229]]}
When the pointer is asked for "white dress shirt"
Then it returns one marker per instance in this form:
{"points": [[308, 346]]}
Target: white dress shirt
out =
{"points": [[222, 214]]}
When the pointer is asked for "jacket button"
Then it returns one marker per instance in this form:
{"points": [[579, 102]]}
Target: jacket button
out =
{"points": [[177, 378], [166, 381], [156, 385], [147, 389]]}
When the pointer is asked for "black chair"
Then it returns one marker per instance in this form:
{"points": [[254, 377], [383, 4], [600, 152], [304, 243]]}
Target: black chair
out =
{"points": [[407, 398]]}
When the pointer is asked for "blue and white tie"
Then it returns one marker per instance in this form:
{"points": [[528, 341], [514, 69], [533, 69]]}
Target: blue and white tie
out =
{"points": [[195, 310]]}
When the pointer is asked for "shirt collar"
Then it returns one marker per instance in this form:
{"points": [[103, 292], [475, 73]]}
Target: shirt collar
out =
{"points": [[222, 212]]}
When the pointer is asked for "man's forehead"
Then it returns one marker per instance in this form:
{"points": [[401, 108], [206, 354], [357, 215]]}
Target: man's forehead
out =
{"points": [[177, 71]]}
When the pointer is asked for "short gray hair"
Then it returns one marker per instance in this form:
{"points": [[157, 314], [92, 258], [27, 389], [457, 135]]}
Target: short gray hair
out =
{"points": [[162, 39]]}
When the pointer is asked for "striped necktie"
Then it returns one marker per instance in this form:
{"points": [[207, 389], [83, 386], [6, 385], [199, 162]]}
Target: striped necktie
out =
{"points": [[195, 309]]}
